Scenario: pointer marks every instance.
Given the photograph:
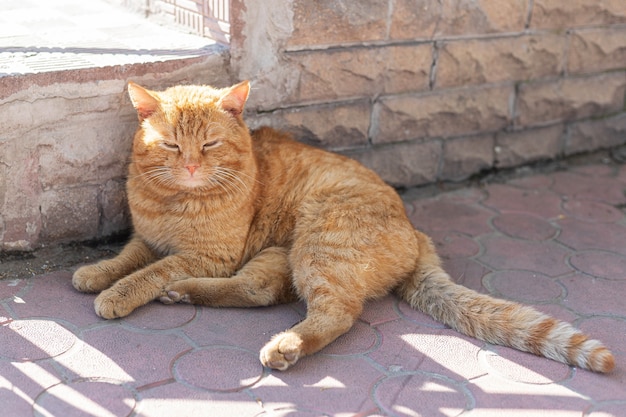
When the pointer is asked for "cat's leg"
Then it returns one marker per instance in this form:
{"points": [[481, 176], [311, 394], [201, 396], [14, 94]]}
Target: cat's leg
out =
{"points": [[264, 280], [100, 276], [329, 315], [145, 285]]}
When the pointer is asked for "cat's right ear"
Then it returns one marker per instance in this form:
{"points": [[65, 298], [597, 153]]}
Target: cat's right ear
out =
{"points": [[142, 100]]}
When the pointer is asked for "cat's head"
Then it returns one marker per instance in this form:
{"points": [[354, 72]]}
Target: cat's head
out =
{"points": [[192, 138]]}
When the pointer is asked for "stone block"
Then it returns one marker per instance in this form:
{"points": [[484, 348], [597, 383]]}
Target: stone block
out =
{"points": [[591, 135], [403, 164], [19, 192], [333, 22], [73, 154], [419, 19], [558, 14], [114, 208], [517, 148], [361, 72], [334, 126], [594, 50], [69, 214], [466, 156], [478, 61], [544, 102], [445, 113]]}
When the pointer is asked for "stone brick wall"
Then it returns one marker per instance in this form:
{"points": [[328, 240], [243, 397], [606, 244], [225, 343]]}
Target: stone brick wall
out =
{"points": [[423, 91]]}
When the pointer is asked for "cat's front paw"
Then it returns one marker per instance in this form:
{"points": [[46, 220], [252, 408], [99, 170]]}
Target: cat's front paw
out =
{"points": [[111, 305], [91, 279], [282, 351], [171, 297]]}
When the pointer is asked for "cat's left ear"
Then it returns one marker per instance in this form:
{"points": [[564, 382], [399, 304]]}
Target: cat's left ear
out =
{"points": [[234, 98], [145, 103]]}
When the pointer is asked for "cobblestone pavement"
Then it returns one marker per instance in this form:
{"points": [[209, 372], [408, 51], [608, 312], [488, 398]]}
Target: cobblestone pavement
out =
{"points": [[556, 241]]}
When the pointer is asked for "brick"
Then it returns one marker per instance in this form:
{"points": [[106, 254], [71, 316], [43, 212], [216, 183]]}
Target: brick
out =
{"points": [[114, 208], [331, 22], [597, 50], [556, 14], [570, 98], [464, 157], [359, 72], [517, 148], [403, 164], [70, 214], [596, 134], [442, 114], [479, 61], [418, 19], [335, 126]]}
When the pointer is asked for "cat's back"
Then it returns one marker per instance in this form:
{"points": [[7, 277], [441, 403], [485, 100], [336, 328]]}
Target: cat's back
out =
{"points": [[293, 164]]}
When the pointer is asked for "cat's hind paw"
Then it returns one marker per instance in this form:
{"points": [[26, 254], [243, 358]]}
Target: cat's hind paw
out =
{"points": [[282, 351]]}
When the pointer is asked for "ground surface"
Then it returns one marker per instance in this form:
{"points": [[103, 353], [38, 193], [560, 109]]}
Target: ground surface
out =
{"points": [[555, 239]]}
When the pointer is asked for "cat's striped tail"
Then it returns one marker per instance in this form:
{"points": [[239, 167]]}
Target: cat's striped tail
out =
{"points": [[498, 321]]}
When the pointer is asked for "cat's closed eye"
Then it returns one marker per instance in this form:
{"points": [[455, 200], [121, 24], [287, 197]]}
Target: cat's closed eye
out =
{"points": [[170, 146], [212, 144]]}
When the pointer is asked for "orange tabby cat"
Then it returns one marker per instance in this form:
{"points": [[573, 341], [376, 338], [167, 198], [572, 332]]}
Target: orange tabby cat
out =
{"points": [[225, 217]]}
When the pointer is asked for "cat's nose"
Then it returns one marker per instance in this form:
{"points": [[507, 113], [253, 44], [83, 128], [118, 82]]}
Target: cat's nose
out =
{"points": [[192, 168]]}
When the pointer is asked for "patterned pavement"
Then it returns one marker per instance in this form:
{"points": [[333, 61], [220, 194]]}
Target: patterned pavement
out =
{"points": [[556, 241]]}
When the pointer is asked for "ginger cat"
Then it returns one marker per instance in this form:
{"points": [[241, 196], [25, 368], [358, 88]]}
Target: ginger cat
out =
{"points": [[225, 217]]}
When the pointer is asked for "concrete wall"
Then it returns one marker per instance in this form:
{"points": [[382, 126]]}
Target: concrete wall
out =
{"points": [[418, 90]]}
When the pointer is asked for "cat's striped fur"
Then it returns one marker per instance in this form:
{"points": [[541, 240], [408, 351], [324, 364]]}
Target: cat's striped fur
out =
{"points": [[223, 217]]}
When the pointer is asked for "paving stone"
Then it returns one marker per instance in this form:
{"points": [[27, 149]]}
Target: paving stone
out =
{"points": [[10, 288], [539, 202], [359, 340], [114, 352], [249, 328], [322, 384], [105, 399], [543, 257], [524, 286], [449, 215], [611, 330], [158, 316], [453, 245], [525, 226], [588, 295], [211, 368], [524, 367], [533, 182], [380, 311], [430, 394], [610, 388], [31, 340], [22, 382], [467, 272], [585, 187], [496, 397], [53, 295], [600, 264], [579, 235], [593, 211], [177, 399]]}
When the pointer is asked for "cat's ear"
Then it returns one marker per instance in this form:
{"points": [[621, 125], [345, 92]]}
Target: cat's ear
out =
{"points": [[234, 98], [142, 100]]}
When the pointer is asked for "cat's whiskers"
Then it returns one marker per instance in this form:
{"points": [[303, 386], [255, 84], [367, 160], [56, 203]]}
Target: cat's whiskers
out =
{"points": [[228, 180]]}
